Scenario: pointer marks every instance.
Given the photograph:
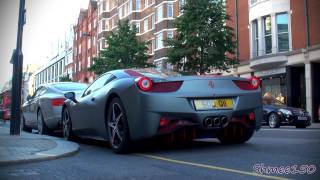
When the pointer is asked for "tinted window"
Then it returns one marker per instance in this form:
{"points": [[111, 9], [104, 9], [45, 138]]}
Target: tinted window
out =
{"points": [[70, 86], [99, 83]]}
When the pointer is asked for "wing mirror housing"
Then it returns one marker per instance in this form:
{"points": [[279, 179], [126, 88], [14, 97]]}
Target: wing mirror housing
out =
{"points": [[71, 96]]}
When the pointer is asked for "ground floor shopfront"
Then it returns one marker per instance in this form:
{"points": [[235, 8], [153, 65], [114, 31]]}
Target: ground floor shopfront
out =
{"points": [[293, 78]]}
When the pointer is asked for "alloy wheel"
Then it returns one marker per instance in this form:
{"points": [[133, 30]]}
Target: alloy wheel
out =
{"points": [[273, 120], [116, 126], [66, 124]]}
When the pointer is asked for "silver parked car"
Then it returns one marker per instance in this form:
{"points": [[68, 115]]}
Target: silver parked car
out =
{"points": [[42, 111], [124, 106]]}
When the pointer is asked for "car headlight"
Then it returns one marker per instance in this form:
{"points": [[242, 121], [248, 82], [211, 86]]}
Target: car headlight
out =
{"points": [[285, 111]]}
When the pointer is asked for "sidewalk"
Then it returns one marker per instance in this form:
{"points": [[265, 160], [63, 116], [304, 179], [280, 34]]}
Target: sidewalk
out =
{"points": [[32, 147], [315, 125]]}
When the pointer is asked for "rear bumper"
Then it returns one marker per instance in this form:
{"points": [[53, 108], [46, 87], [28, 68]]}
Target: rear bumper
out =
{"points": [[144, 115], [53, 118]]}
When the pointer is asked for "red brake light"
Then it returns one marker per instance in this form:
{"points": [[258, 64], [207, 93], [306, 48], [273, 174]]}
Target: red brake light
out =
{"points": [[166, 86], [144, 83], [57, 102], [251, 116], [245, 85]]}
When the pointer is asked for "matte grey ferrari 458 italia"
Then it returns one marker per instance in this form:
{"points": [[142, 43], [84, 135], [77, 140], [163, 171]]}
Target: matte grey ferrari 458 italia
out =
{"points": [[124, 106], [42, 111]]}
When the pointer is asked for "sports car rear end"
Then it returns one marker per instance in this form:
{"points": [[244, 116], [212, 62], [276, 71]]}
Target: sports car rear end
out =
{"points": [[204, 104]]}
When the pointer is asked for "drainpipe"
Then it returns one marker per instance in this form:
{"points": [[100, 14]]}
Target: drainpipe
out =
{"points": [[237, 30], [306, 9]]}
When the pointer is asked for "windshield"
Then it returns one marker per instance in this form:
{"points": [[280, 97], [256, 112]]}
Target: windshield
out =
{"points": [[70, 86]]}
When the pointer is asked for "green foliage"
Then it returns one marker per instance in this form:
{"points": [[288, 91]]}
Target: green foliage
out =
{"points": [[65, 79], [203, 38], [124, 51]]}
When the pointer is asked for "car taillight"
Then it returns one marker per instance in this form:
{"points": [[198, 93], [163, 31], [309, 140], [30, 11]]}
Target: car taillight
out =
{"points": [[245, 85], [166, 86], [57, 102], [144, 83]]}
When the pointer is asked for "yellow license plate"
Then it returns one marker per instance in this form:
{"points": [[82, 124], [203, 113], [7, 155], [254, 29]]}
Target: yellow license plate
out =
{"points": [[213, 104]]}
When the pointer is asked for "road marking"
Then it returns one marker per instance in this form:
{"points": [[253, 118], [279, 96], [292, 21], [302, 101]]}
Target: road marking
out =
{"points": [[292, 130], [212, 167]]}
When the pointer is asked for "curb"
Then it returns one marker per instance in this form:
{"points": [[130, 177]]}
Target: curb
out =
{"points": [[55, 153]]}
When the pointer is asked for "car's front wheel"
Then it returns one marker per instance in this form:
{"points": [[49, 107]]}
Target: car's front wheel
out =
{"points": [[67, 125], [118, 129], [274, 120], [235, 134], [23, 124]]}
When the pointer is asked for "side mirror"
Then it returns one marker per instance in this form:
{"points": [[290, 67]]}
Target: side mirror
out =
{"points": [[28, 98], [71, 96]]}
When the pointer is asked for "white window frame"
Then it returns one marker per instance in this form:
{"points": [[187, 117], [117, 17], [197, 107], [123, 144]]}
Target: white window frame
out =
{"points": [[146, 24], [159, 13]]}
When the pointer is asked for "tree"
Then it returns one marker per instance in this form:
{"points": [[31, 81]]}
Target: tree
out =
{"points": [[65, 78], [124, 51], [203, 40]]}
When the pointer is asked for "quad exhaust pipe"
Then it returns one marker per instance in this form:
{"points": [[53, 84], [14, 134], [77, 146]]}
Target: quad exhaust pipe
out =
{"points": [[216, 122]]}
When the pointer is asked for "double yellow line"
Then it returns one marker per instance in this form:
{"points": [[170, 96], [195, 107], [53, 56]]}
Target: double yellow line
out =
{"points": [[212, 167]]}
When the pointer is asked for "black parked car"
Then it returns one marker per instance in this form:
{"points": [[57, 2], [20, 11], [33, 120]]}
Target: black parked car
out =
{"points": [[276, 113]]}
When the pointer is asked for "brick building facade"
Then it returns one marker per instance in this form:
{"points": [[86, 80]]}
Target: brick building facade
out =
{"points": [[85, 44], [153, 19], [279, 41]]}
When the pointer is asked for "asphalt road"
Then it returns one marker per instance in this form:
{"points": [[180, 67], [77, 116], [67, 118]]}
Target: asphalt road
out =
{"points": [[206, 159]]}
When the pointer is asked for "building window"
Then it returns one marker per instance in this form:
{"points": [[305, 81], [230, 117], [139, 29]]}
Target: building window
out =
{"points": [[146, 24], [137, 26], [89, 27], [103, 25], [89, 43], [152, 46], [181, 4], [79, 49], [253, 1], [170, 34], [159, 40], [283, 32], [89, 62], [153, 21], [267, 34], [159, 13], [255, 38], [138, 4], [170, 10], [104, 6]]}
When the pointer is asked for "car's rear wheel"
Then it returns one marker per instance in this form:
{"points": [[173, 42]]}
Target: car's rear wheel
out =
{"points": [[235, 134], [24, 126], [67, 125], [42, 128], [274, 120], [118, 128]]}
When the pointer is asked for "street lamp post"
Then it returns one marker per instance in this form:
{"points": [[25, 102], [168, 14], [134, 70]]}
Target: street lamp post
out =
{"points": [[17, 61]]}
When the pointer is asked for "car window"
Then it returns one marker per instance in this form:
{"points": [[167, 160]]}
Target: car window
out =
{"points": [[99, 83], [37, 92]]}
